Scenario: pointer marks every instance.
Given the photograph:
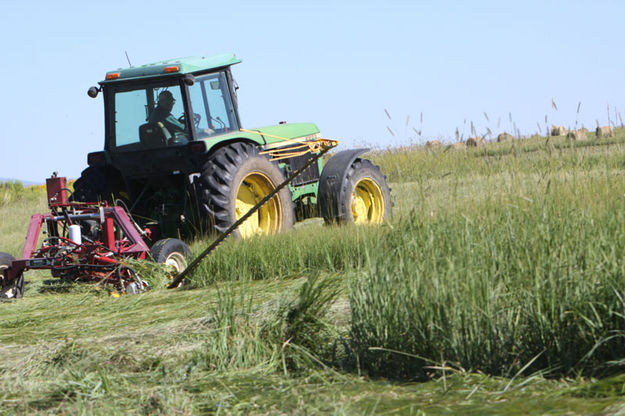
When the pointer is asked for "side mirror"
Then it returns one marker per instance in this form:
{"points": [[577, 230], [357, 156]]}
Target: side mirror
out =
{"points": [[189, 79], [93, 92]]}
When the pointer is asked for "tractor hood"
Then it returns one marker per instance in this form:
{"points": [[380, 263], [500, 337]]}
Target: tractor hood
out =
{"points": [[276, 134], [270, 135], [289, 130]]}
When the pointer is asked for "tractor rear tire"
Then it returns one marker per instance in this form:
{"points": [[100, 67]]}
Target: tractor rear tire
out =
{"points": [[171, 252], [366, 195], [14, 290], [92, 186], [234, 179], [98, 184]]}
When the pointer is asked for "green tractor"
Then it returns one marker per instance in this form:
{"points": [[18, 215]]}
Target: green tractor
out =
{"points": [[176, 155]]}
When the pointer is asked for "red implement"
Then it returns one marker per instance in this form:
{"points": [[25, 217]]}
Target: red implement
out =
{"points": [[83, 242]]}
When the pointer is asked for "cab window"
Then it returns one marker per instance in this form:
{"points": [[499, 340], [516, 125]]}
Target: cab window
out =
{"points": [[142, 122], [212, 105]]}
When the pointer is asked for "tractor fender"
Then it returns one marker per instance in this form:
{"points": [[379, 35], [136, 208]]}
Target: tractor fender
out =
{"points": [[331, 189]]}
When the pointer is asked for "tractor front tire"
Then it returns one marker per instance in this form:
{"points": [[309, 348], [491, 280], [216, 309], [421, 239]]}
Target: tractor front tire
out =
{"points": [[171, 252], [366, 196], [14, 289], [234, 179]]}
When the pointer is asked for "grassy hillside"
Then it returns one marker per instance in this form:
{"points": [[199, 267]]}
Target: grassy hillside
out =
{"points": [[497, 288]]}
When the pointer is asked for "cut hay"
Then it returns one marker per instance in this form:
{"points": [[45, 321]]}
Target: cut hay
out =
{"points": [[576, 135], [475, 141], [558, 131], [504, 137], [603, 131], [457, 145]]}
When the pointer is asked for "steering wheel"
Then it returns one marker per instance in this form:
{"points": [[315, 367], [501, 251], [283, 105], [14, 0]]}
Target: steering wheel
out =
{"points": [[196, 119]]}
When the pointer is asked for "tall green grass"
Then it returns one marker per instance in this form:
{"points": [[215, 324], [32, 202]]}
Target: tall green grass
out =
{"points": [[527, 275], [11, 191], [303, 252], [19, 204]]}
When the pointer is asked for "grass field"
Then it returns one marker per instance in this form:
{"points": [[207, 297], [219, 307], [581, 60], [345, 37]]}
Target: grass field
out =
{"points": [[497, 288]]}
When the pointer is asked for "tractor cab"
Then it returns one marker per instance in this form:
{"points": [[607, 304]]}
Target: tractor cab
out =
{"points": [[169, 103]]}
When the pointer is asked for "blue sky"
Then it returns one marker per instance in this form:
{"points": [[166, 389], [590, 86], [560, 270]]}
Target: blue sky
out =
{"points": [[338, 64]]}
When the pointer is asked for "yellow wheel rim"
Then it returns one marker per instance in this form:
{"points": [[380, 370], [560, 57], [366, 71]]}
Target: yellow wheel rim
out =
{"points": [[176, 262], [266, 220], [367, 202]]}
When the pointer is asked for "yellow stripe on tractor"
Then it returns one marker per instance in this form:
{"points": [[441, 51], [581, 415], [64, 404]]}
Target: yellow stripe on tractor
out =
{"points": [[288, 148]]}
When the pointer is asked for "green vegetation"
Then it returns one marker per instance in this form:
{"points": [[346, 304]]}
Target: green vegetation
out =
{"points": [[499, 285], [11, 191]]}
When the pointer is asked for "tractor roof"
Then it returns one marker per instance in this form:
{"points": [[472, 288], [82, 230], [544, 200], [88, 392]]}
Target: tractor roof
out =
{"points": [[187, 65]]}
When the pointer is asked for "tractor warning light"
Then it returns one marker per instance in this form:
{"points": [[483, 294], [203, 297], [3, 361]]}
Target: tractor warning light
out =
{"points": [[112, 75], [174, 68]]}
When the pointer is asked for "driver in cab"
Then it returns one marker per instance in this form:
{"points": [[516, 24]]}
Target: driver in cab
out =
{"points": [[162, 113]]}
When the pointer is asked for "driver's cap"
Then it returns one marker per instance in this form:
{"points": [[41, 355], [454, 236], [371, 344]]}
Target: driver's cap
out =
{"points": [[165, 96]]}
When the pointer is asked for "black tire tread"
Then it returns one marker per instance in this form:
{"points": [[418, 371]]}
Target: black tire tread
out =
{"points": [[359, 165], [163, 248], [214, 186], [91, 186], [5, 260]]}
